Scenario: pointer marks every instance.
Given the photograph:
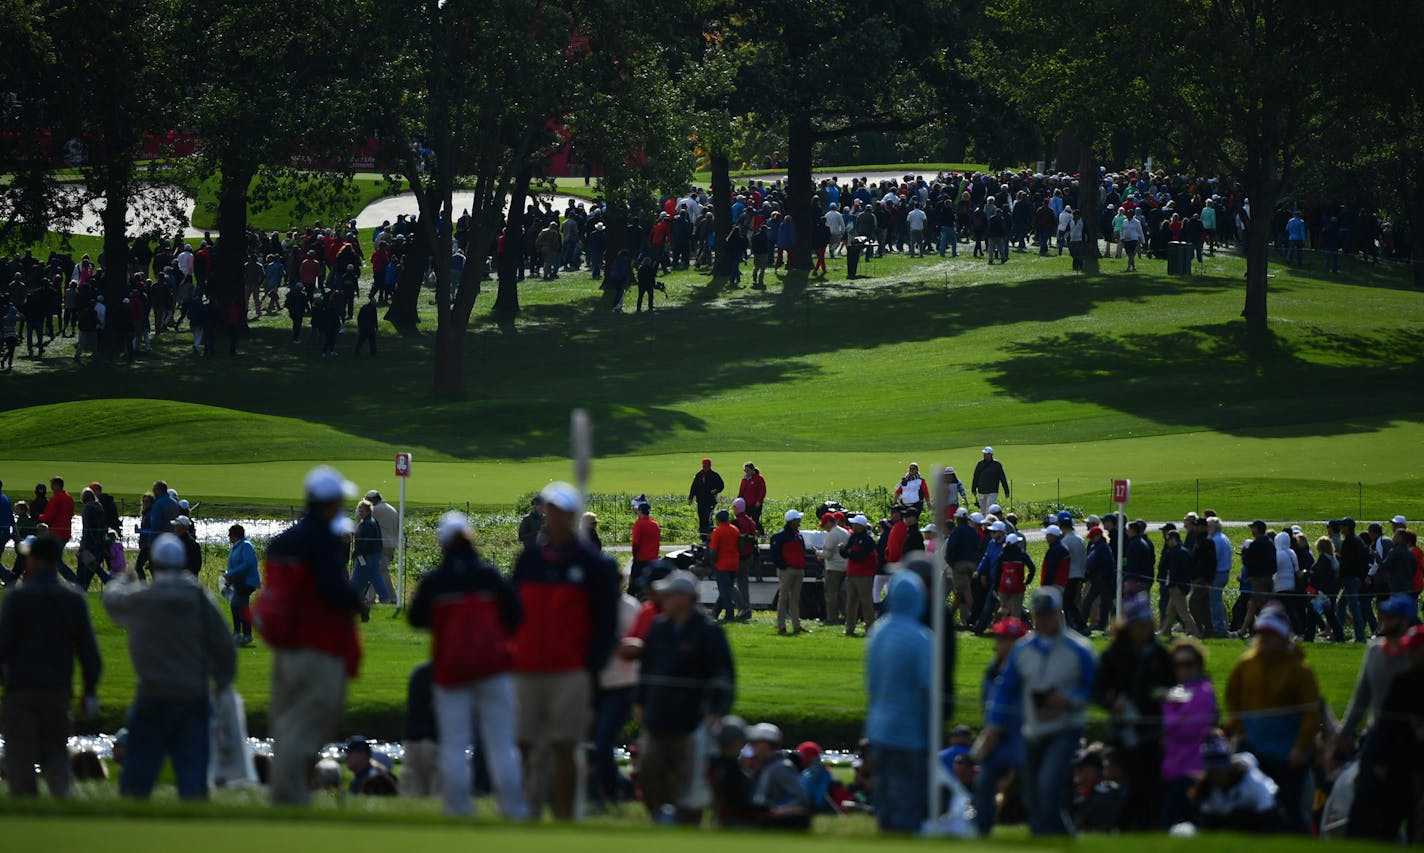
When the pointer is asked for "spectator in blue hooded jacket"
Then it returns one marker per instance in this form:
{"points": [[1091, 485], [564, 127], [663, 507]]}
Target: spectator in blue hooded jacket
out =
{"points": [[897, 680], [244, 578]]}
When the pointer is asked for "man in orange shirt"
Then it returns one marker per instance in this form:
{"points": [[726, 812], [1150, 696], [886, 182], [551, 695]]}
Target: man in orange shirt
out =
{"points": [[647, 546], [723, 553]]}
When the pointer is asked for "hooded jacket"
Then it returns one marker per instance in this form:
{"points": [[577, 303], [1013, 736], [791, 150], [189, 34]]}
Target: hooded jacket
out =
{"points": [[897, 669], [1286, 564]]}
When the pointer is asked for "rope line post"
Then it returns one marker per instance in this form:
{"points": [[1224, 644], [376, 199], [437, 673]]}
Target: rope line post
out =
{"points": [[403, 474]]}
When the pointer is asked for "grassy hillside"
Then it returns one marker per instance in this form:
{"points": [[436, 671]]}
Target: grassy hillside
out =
{"points": [[1074, 380]]}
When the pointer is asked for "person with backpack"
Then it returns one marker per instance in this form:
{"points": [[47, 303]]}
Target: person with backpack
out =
{"points": [[1012, 574], [472, 612]]}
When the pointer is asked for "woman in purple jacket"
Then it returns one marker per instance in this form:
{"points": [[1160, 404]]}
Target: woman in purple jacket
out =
{"points": [[1189, 716]]}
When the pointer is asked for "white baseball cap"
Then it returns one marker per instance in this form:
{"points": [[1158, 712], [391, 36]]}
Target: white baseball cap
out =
{"points": [[988, 450], [794, 515], [998, 527], [563, 496], [763, 733], [1053, 530], [1012, 539], [860, 520], [167, 552], [325, 483], [182, 521], [995, 509], [1398, 519], [949, 470], [961, 513], [451, 525], [976, 517]]}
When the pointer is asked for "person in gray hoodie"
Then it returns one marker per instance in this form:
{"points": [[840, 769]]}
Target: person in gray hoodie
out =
{"points": [[181, 650]]}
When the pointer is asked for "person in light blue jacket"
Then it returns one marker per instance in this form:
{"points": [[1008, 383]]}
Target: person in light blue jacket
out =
{"points": [[243, 578], [897, 680]]}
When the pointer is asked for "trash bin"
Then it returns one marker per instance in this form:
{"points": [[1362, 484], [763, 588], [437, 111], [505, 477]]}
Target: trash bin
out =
{"points": [[857, 245], [1179, 258]]}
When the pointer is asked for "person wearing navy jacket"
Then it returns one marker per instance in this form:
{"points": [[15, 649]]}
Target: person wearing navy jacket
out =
{"points": [[569, 592], [473, 614], [1056, 561]]}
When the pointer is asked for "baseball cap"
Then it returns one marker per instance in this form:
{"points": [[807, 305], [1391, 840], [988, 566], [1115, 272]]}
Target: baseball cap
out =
{"points": [[976, 517], [987, 450], [167, 552], [1053, 530], [373, 495], [1295, 528], [949, 470], [809, 751], [1398, 604], [451, 525], [1013, 627], [358, 743], [677, 582], [996, 510], [1168, 527], [325, 483], [1046, 599], [562, 496], [1012, 539], [739, 504], [794, 515], [45, 547], [764, 733], [659, 569], [861, 521], [96, 487], [998, 527], [1065, 515], [182, 521], [1271, 619], [732, 730], [1347, 521], [1398, 519], [961, 513], [1258, 524]]}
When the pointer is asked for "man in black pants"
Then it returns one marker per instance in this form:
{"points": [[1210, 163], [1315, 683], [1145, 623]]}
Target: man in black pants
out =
{"points": [[366, 325], [706, 486]]}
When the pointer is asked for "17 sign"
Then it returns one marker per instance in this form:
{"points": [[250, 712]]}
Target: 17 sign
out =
{"points": [[1121, 490], [402, 464]]}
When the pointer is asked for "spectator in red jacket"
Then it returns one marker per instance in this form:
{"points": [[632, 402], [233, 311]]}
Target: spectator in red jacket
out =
{"points": [[647, 546], [473, 613], [862, 560], [59, 511], [753, 490], [307, 614], [569, 593], [747, 529]]}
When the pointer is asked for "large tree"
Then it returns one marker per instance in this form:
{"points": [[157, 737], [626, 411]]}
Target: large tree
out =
{"points": [[476, 84]]}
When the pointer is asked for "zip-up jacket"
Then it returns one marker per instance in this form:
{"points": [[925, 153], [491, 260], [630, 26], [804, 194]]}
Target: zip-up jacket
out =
{"points": [[570, 598], [472, 613]]}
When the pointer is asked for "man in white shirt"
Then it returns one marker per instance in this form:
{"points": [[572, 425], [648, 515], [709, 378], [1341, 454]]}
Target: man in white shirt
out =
{"points": [[835, 225], [916, 220], [1132, 237]]}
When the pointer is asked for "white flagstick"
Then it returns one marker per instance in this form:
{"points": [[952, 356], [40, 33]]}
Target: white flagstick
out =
{"points": [[581, 448], [940, 496]]}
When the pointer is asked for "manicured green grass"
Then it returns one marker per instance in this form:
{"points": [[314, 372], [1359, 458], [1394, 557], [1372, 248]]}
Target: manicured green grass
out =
{"points": [[1073, 380], [280, 214]]}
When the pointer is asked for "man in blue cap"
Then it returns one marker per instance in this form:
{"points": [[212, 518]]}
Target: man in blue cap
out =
{"points": [[1383, 661]]}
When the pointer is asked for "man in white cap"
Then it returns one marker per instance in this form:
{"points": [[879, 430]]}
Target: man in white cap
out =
{"points": [[988, 477], [788, 554], [569, 591], [1045, 686], [777, 794], [182, 652], [307, 613], [862, 559], [687, 679], [388, 519], [472, 613]]}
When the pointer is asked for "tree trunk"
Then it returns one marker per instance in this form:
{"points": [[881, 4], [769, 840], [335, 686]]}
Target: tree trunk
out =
{"points": [[231, 252], [616, 221], [1258, 253], [449, 362], [506, 299], [116, 254], [1088, 204], [721, 212], [1414, 206], [800, 147], [404, 312]]}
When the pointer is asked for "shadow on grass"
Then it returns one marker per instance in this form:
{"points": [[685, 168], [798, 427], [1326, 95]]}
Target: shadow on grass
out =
{"points": [[637, 372], [1222, 377]]}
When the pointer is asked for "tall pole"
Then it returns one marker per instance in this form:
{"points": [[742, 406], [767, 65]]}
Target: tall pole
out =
{"points": [[581, 449], [1121, 537], [942, 502], [400, 551]]}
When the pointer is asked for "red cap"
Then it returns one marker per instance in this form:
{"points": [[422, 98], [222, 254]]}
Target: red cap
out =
{"points": [[1094, 530], [809, 751], [706, 463], [1012, 627], [95, 487]]}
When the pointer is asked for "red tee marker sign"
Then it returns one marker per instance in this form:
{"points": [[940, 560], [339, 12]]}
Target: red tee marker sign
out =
{"points": [[402, 464], [1121, 491]]}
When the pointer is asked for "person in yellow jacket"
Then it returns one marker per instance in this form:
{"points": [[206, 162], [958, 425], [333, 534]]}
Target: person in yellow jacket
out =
{"points": [[1273, 704]]}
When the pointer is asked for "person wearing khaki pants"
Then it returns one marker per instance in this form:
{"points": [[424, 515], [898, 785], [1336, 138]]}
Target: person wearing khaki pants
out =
{"points": [[788, 554], [835, 564], [861, 562]]}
